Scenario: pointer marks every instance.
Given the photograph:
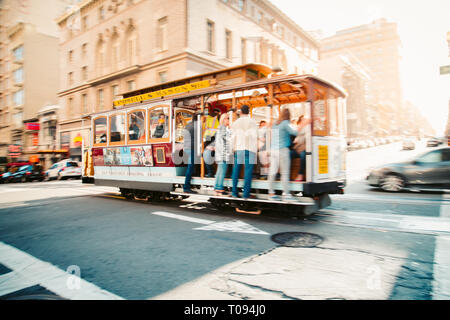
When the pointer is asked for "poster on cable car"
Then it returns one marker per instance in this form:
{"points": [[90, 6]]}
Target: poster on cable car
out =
{"points": [[141, 156], [328, 158], [111, 156], [125, 156]]}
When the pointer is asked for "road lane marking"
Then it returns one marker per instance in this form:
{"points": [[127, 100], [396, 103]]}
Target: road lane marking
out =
{"points": [[227, 226], [30, 270], [13, 281], [391, 222], [387, 199], [441, 267]]}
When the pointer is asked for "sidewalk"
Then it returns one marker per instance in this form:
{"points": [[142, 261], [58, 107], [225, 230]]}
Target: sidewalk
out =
{"points": [[325, 272]]}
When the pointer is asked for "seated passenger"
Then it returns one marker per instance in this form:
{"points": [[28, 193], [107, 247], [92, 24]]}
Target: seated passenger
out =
{"points": [[160, 128], [133, 130]]}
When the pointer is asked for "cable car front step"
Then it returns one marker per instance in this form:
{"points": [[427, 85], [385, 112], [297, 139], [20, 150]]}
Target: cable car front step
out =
{"points": [[302, 201]]}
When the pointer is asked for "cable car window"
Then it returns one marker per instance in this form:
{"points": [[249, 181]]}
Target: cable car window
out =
{"points": [[136, 127], [159, 123], [332, 115], [117, 129], [100, 130], [182, 118], [319, 118], [263, 114]]}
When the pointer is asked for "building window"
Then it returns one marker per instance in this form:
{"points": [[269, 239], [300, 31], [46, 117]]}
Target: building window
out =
{"points": [[84, 23], [18, 53], [243, 51], [210, 36], [18, 98], [260, 17], [84, 73], [115, 51], [100, 99], [162, 36], [70, 56], [84, 50], [228, 44], [131, 44], [70, 78], [100, 57], [18, 119], [18, 75], [114, 92], [131, 85], [84, 103], [162, 76], [101, 13], [69, 107], [241, 5]]}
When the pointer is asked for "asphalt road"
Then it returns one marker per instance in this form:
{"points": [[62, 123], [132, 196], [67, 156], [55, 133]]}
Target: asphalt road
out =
{"points": [[375, 245]]}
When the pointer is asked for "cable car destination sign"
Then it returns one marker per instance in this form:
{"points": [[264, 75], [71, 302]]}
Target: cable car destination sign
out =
{"points": [[165, 92]]}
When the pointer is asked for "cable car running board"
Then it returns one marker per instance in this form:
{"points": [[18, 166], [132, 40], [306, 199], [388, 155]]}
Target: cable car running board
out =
{"points": [[302, 201]]}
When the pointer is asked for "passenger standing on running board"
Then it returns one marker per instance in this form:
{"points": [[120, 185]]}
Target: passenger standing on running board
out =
{"points": [[280, 154], [190, 133], [244, 135]]}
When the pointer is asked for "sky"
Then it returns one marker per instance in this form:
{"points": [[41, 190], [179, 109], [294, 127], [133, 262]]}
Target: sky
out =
{"points": [[422, 27]]}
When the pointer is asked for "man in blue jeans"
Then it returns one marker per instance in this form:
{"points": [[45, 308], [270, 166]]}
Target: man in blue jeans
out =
{"points": [[244, 136]]}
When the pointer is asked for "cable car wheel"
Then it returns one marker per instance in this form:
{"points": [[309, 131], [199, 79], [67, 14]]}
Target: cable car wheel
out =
{"points": [[127, 193]]}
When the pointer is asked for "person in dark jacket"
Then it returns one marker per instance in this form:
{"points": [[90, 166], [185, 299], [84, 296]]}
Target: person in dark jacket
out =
{"points": [[190, 134]]}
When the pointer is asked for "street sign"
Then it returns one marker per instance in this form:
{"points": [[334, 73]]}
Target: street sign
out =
{"points": [[445, 69]]}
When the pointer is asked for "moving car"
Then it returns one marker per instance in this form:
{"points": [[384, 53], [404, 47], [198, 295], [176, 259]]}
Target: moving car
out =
{"points": [[429, 171], [63, 170], [28, 173], [6, 177], [408, 144]]}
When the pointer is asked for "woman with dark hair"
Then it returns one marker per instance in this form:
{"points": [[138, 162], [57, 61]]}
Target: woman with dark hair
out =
{"points": [[280, 154]]}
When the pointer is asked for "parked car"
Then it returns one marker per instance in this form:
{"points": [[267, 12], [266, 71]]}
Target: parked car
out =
{"points": [[433, 142], [28, 173], [427, 171], [63, 170], [408, 144]]}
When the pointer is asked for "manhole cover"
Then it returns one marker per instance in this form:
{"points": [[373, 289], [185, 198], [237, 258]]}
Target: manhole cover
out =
{"points": [[297, 239]]}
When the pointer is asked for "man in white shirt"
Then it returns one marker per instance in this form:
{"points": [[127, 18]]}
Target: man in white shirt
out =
{"points": [[244, 137]]}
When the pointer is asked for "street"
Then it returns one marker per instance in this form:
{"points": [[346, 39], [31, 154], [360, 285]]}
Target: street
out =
{"points": [[64, 239]]}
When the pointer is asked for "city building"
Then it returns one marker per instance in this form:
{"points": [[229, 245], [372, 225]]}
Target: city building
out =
{"points": [[347, 71], [112, 47], [377, 47], [29, 77]]}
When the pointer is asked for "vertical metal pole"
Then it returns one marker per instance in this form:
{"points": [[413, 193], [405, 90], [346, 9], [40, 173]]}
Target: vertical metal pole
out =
{"points": [[200, 133]]}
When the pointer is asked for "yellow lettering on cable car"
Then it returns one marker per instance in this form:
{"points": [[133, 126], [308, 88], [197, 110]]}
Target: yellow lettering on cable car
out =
{"points": [[165, 92], [323, 159]]}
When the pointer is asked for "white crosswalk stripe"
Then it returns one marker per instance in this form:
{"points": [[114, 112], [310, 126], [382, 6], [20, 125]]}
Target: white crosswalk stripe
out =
{"points": [[29, 271]]}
